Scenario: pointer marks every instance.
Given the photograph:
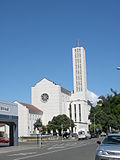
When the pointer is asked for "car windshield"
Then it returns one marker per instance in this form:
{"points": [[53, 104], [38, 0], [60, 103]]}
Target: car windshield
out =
{"points": [[112, 139]]}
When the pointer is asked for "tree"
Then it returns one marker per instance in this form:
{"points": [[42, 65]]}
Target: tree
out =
{"points": [[44, 129], [107, 112], [98, 128], [60, 122], [38, 124]]}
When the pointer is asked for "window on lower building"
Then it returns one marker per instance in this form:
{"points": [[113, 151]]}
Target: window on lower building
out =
{"points": [[75, 112], [79, 112], [70, 111]]}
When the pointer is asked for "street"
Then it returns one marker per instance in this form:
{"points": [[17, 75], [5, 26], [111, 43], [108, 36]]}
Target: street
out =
{"points": [[72, 150]]}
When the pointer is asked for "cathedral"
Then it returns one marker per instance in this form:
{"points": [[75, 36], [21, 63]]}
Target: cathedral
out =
{"points": [[50, 99], [53, 99]]}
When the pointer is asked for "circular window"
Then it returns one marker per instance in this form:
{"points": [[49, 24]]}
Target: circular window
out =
{"points": [[44, 97]]}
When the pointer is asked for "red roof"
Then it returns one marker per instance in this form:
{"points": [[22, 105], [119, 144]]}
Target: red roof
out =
{"points": [[30, 107]]}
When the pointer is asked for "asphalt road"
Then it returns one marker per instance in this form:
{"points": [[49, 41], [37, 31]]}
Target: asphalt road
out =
{"points": [[63, 150]]}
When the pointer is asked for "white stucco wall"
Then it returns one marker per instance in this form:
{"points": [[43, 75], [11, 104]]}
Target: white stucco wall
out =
{"points": [[52, 106], [56, 103], [23, 118], [64, 99], [2, 129], [76, 99], [26, 120], [79, 71]]}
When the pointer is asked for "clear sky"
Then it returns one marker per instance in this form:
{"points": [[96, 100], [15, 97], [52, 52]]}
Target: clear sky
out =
{"points": [[36, 40]]}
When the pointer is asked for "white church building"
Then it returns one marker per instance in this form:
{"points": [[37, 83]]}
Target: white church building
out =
{"points": [[50, 99], [53, 99]]}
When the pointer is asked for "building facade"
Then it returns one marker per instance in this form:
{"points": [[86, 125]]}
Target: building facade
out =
{"points": [[79, 109], [53, 99], [79, 72], [28, 114], [9, 120]]}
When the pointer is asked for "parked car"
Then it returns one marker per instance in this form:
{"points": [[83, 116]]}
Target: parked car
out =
{"points": [[94, 135], [4, 140], [83, 135], [74, 135], [109, 148], [88, 135], [66, 135]]}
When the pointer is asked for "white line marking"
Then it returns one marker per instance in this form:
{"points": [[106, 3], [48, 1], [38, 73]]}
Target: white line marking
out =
{"points": [[55, 147], [62, 145], [22, 154]]}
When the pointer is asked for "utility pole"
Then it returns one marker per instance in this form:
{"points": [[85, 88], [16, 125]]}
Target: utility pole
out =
{"points": [[94, 123]]}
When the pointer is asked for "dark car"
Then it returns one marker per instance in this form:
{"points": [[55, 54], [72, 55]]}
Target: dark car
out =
{"points": [[109, 148], [74, 135], [4, 140], [94, 135], [66, 135]]}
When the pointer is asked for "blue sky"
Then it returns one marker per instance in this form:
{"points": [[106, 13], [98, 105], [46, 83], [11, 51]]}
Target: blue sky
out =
{"points": [[36, 40]]}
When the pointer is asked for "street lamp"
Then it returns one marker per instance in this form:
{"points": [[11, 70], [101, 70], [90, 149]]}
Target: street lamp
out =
{"points": [[118, 68], [94, 122]]}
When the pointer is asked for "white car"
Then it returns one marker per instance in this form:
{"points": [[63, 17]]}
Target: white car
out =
{"points": [[83, 135]]}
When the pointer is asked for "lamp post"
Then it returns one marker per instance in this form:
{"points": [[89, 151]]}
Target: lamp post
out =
{"points": [[118, 68], [94, 122]]}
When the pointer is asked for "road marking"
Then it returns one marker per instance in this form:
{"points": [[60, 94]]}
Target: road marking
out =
{"points": [[62, 145], [22, 154], [50, 152], [57, 146]]}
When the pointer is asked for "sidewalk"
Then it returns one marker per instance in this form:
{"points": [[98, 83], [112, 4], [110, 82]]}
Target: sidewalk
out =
{"points": [[17, 148]]}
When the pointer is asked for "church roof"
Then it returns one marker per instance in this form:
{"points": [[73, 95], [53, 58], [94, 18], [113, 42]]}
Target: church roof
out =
{"points": [[63, 90], [30, 107]]}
